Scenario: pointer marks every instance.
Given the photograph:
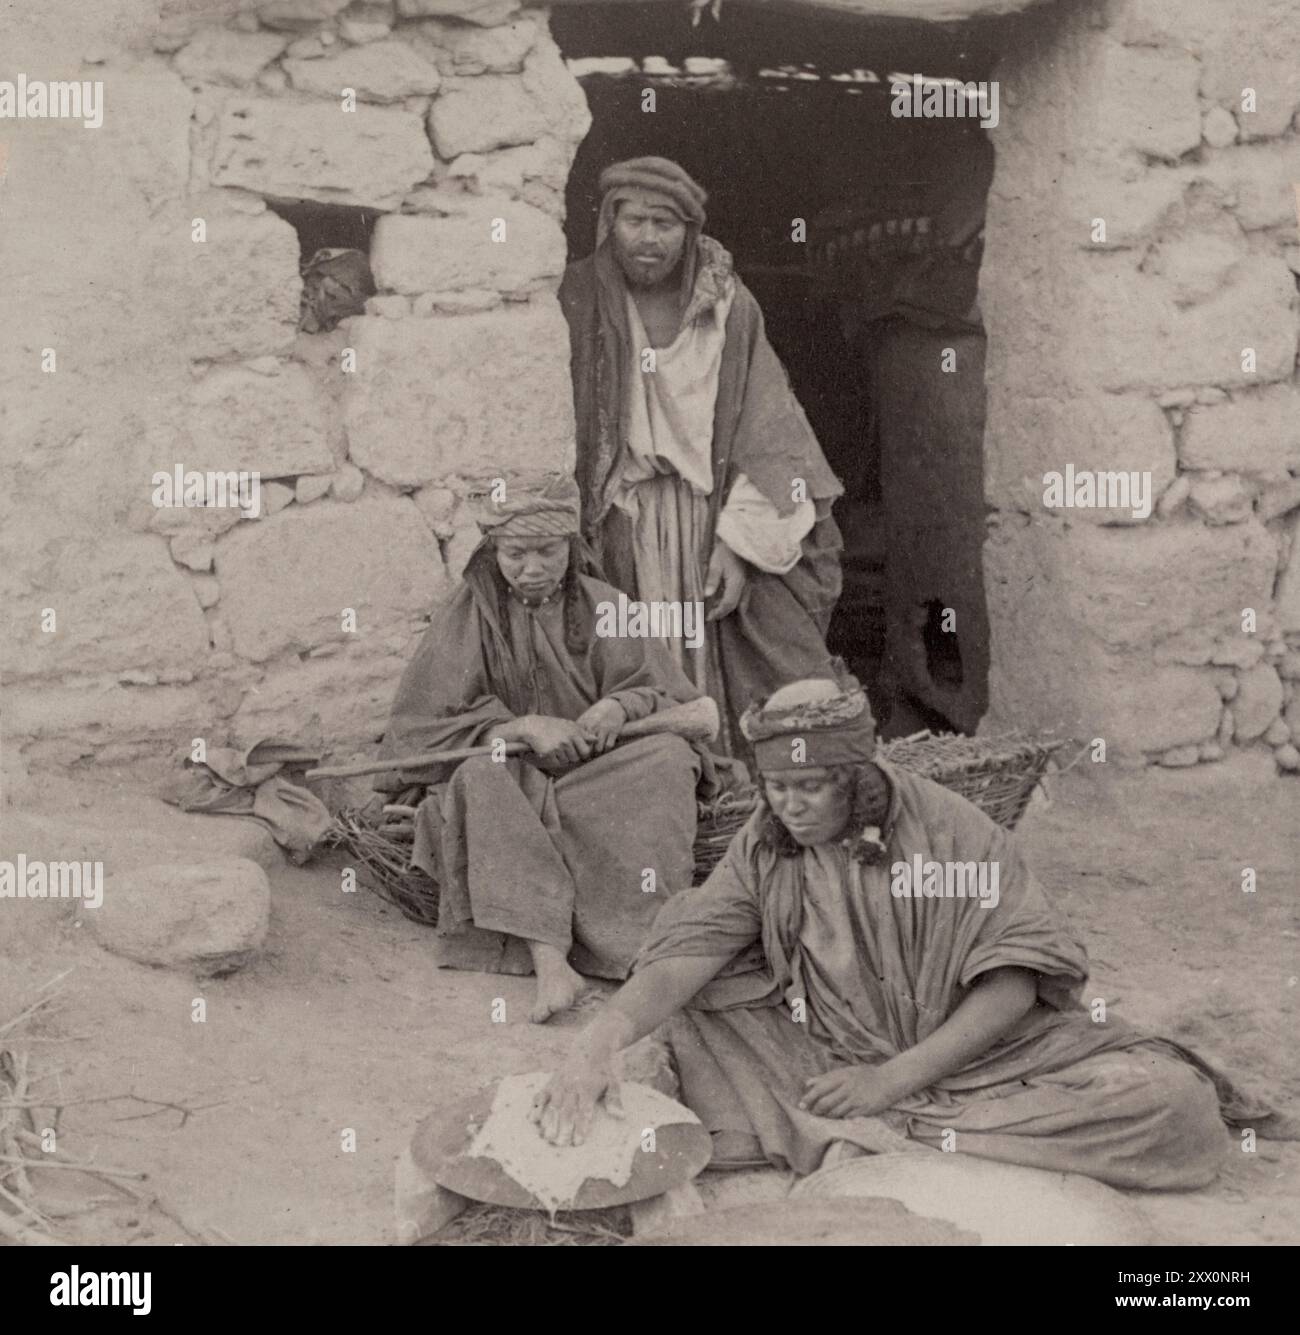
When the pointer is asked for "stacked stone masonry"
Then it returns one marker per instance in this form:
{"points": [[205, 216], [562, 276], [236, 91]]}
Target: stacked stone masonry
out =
{"points": [[368, 440], [1162, 340], [457, 121]]}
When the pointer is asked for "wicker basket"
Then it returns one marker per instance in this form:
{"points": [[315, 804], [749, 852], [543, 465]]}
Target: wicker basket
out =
{"points": [[997, 774]]}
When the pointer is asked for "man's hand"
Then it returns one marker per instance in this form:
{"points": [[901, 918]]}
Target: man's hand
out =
{"points": [[726, 577], [555, 741], [564, 1110], [850, 1091], [602, 723]]}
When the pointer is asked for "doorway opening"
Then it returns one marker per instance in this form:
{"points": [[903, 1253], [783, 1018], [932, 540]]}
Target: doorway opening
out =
{"points": [[871, 304]]}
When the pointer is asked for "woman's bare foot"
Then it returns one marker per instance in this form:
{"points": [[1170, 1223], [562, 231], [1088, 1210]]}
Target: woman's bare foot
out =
{"points": [[558, 985]]}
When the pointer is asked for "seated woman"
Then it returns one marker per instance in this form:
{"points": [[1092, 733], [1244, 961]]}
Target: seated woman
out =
{"points": [[560, 858], [826, 986]]}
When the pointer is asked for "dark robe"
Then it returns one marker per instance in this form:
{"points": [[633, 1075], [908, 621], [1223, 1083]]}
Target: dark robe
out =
{"points": [[580, 858], [777, 633], [875, 974]]}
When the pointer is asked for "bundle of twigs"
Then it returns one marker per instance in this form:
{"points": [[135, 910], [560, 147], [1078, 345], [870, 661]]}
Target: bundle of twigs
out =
{"points": [[496, 1225], [20, 1220], [384, 852]]}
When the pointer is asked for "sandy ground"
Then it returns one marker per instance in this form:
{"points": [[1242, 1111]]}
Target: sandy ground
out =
{"points": [[343, 1023]]}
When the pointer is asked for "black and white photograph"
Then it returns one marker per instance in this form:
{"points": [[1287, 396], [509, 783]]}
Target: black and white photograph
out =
{"points": [[656, 623]]}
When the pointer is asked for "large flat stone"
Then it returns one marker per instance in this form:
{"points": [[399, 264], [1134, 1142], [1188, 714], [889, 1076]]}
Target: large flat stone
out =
{"points": [[478, 115], [286, 580], [245, 283], [1255, 432], [1257, 703], [341, 701], [273, 424], [1146, 101], [1132, 208], [211, 916], [371, 156], [379, 72], [550, 84], [221, 55], [1076, 610], [110, 597], [1137, 587], [415, 254], [459, 48], [1140, 708], [1144, 340], [1094, 432], [474, 395], [1254, 181]]}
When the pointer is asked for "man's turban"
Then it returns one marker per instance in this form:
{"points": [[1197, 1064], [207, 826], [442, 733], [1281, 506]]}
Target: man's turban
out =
{"points": [[546, 509], [833, 722], [656, 176]]}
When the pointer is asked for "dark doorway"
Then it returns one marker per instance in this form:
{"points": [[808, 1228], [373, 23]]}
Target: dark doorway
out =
{"points": [[785, 119]]}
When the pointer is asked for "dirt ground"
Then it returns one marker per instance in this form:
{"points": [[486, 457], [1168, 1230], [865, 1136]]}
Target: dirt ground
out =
{"points": [[343, 1023]]}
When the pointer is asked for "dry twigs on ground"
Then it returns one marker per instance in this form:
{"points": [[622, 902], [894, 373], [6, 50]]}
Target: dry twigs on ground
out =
{"points": [[28, 1227], [24, 1151]]}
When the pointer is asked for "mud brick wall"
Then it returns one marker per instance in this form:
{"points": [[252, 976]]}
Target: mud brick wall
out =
{"points": [[1128, 354], [1122, 353]]}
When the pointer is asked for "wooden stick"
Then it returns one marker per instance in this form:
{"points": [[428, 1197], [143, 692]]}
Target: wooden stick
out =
{"points": [[73, 1166], [420, 760], [696, 721]]}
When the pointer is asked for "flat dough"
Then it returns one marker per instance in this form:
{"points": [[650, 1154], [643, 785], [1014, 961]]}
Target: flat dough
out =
{"points": [[554, 1174]]}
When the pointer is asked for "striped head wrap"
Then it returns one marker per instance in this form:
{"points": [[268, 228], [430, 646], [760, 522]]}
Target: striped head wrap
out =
{"points": [[547, 509], [831, 724]]}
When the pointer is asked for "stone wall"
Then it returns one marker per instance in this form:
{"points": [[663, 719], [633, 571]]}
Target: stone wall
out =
{"points": [[1125, 352], [177, 623], [1129, 353]]}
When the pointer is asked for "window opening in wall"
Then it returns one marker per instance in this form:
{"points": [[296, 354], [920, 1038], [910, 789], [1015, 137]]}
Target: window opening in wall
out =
{"points": [[334, 259]]}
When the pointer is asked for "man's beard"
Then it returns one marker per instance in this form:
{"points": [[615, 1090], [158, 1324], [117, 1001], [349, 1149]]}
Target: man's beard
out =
{"points": [[645, 275]]}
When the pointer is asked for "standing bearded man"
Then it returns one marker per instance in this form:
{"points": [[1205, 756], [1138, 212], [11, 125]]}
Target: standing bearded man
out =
{"points": [[700, 475]]}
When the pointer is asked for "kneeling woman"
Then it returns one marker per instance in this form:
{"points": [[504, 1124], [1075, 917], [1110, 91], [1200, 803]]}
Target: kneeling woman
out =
{"points": [[559, 859], [807, 992]]}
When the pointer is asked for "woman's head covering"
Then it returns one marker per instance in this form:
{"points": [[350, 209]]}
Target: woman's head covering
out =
{"points": [[548, 508], [831, 719]]}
